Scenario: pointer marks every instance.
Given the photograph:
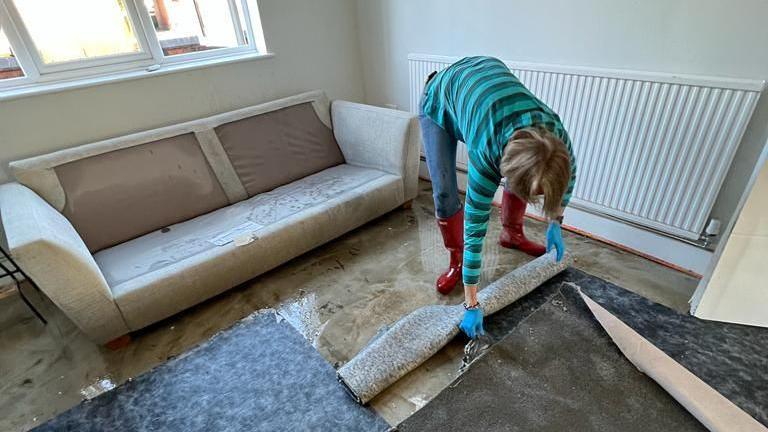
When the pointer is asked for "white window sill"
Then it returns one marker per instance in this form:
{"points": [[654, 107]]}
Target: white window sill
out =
{"points": [[59, 86]]}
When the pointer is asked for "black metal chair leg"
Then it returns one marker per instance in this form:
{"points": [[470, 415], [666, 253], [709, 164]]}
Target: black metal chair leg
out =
{"points": [[13, 275], [29, 304]]}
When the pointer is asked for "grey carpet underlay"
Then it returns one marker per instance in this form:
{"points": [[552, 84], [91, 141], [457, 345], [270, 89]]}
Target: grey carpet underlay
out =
{"points": [[556, 371], [730, 358], [261, 375]]}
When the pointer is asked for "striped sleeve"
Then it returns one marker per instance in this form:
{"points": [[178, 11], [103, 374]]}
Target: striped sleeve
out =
{"points": [[482, 183]]}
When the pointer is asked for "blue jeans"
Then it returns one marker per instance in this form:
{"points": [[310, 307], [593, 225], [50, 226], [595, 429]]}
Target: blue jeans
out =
{"points": [[440, 150]]}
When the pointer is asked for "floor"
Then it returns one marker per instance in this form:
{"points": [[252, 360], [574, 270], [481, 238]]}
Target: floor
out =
{"points": [[341, 294]]}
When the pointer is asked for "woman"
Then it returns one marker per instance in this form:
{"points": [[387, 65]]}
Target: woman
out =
{"points": [[509, 133]]}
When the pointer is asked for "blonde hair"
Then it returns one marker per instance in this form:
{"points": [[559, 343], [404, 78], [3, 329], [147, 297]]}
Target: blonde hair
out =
{"points": [[536, 162]]}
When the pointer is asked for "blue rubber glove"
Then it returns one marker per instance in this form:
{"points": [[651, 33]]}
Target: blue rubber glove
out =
{"points": [[555, 239], [472, 323]]}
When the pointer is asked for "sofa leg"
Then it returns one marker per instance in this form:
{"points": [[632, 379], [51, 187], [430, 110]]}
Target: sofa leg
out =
{"points": [[407, 205], [119, 342]]}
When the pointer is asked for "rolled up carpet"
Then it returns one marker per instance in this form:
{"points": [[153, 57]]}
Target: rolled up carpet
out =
{"points": [[419, 335]]}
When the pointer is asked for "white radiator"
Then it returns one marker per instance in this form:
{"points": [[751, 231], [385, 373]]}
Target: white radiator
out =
{"points": [[651, 148]]}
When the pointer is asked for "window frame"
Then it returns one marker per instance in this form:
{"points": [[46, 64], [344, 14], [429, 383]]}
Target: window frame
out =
{"points": [[47, 68], [149, 59]]}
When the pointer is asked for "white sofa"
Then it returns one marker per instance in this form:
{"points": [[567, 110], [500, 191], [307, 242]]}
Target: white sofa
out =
{"points": [[125, 232]]}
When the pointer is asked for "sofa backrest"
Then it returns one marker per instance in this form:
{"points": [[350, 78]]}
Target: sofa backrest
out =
{"points": [[119, 195], [278, 147], [116, 190]]}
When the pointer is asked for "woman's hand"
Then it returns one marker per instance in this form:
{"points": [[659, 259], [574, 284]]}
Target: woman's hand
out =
{"points": [[472, 323], [555, 239]]}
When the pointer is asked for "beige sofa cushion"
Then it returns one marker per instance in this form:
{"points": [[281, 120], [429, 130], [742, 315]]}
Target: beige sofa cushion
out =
{"points": [[162, 248], [161, 273], [278, 147], [119, 195]]}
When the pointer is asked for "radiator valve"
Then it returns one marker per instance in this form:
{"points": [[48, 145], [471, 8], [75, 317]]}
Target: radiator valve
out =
{"points": [[713, 228]]}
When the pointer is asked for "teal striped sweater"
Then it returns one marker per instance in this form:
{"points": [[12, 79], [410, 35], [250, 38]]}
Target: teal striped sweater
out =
{"points": [[480, 102]]}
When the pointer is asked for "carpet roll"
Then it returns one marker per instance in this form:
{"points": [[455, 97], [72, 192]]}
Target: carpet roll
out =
{"points": [[419, 335]]}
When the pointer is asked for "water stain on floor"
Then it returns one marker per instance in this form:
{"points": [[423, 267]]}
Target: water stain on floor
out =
{"points": [[303, 314]]}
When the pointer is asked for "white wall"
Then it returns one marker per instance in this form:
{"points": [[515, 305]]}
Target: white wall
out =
{"points": [[709, 37], [316, 47]]}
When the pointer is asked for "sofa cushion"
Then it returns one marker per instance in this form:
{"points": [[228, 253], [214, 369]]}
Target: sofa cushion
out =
{"points": [[275, 148], [119, 195], [175, 243], [161, 273]]}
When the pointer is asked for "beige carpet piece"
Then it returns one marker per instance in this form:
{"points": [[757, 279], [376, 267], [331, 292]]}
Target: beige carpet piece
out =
{"points": [[711, 408]]}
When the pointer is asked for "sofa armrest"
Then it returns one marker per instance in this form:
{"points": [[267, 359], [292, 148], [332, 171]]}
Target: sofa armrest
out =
{"points": [[46, 246], [379, 138]]}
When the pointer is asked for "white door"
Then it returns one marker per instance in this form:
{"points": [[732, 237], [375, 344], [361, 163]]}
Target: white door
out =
{"points": [[736, 289]]}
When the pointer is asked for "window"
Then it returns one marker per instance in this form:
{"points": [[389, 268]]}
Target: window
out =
{"points": [[71, 30], [9, 67], [184, 26], [47, 41]]}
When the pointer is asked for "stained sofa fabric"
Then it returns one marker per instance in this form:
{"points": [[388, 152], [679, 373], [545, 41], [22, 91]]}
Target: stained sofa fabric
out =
{"points": [[253, 217], [278, 147], [293, 220], [123, 194]]}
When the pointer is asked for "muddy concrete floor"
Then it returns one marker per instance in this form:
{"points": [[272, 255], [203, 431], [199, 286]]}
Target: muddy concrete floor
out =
{"points": [[341, 294]]}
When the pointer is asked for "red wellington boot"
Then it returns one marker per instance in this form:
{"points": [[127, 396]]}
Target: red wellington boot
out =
{"points": [[452, 229], [512, 236]]}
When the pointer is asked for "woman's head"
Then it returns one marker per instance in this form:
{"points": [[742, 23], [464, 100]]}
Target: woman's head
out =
{"points": [[536, 162]]}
